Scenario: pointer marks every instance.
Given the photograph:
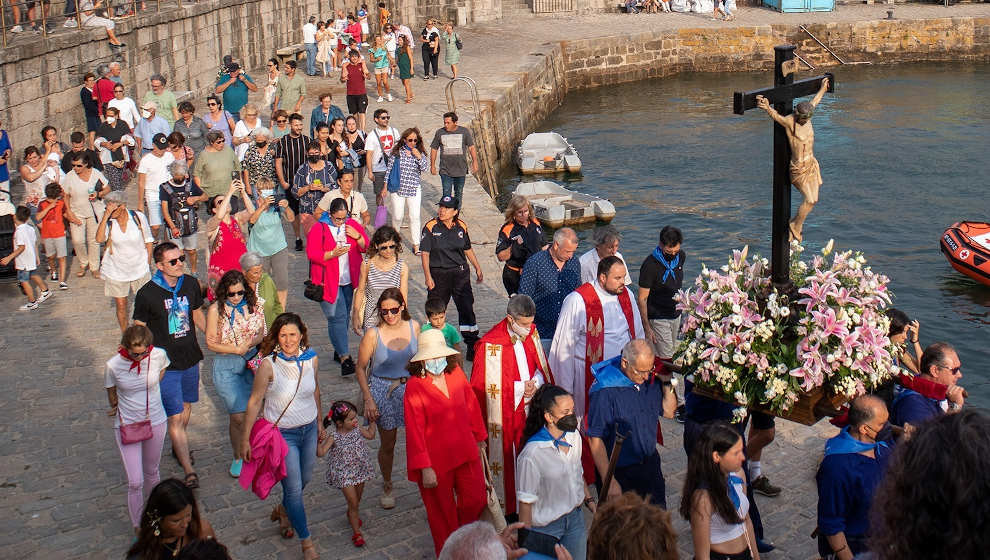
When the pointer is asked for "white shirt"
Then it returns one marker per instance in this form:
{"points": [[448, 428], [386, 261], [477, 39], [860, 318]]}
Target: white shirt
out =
{"points": [[79, 191], [309, 33], [241, 130], [390, 42], [356, 203], [285, 377], [25, 235], [131, 387], [340, 236], [389, 137], [126, 257], [566, 359], [156, 172], [550, 479], [128, 110], [522, 366], [589, 266]]}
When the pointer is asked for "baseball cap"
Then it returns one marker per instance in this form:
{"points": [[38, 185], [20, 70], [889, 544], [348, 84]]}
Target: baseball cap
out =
{"points": [[160, 140], [448, 202], [149, 105], [233, 67]]}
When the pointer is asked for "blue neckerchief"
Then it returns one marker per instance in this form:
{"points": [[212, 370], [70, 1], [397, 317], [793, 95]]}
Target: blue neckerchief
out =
{"points": [[844, 443], [670, 266], [733, 495], [242, 307], [325, 219], [607, 374], [306, 354], [545, 435], [159, 279]]}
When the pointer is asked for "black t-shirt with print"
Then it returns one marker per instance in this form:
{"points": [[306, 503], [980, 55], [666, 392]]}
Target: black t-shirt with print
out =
{"points": [[171, 321]]}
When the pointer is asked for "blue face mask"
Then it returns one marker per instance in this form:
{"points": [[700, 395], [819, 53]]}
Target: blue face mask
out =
{"points": [[435, 366]]}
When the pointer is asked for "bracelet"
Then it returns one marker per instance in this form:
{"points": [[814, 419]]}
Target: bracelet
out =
{"points": [[915, 341], [588, 500]]}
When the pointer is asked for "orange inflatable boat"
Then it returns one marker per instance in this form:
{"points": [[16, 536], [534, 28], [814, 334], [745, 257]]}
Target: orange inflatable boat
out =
{"points": [[967, 246]]}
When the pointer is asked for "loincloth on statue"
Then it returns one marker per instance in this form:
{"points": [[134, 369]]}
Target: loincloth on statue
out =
{"points": [[806, 173]]}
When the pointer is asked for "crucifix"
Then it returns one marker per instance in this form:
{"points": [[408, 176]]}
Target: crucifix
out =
{"points": [[788, 132]]}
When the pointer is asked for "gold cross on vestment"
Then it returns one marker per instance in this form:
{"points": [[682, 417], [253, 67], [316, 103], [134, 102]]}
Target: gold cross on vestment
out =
{"points": [[493, 391], [496, 469], [492, 350], [494, 431], [595, 328]]}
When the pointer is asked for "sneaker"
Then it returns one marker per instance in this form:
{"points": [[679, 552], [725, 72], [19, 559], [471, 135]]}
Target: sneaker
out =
{"points": [[380, 99], [29, 306], [347, 367], [54, 276], [17, 29], [336, 357], [63, 286], [680, 414], [44, 295], [49, 27], [390, 97], [235, 468], [762, 486], [299, 245], [70, 23], [426, 77], [36, 28]]}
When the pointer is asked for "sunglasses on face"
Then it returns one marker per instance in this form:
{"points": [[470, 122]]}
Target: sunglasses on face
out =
{"points": [[236, 294], [173, 262], [390, 311], [212, 104], [411, 140], [386, 247], [384, 118], [139, 357], [281, 121], [954, 370]]}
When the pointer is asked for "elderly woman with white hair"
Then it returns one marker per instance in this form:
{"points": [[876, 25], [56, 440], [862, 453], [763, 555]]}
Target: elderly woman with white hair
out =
{"points": [[243, 130], [127, 259], [258, 162], [258, 280]]}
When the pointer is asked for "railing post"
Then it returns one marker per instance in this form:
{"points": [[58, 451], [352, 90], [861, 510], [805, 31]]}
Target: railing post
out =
{"points": [[3, 24]]}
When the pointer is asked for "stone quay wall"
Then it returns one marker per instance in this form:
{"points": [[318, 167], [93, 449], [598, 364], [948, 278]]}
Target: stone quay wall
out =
{"points": [[545, 77], [41, 81]]}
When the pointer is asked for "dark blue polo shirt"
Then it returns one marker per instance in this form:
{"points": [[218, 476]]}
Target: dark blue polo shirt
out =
{"points": [[913, 408], [635, 409], [846, 484]]}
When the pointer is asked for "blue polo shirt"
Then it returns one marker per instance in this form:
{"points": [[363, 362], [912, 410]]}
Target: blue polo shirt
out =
{"points": [[235, 97], [4, 146], [912, 408], [846, 484], [548, 286], [634, 408]]}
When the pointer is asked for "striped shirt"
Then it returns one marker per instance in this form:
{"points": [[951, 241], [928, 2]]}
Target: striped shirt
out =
{"points": [[293, 154]]}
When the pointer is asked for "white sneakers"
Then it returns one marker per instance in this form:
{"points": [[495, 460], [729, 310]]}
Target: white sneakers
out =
{"points": [[44, 296], [380, 99], [71, 22], [390, 97], [32, 305]]}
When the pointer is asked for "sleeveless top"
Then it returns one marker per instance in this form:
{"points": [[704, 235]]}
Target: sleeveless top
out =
{"points": [[222, 126], [720, 530], [34, 191], [355, 80], [228, 247], [246, 325], [267, 236], [378, 280], [285, 374], [391, 364]]}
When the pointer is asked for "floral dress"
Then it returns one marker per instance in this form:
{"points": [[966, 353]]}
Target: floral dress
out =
{"points": [[228, 247], [349, 461]]}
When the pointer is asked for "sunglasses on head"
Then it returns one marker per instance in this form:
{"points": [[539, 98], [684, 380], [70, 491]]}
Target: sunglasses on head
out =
{"points": [[173, 262], [390, 311], [236, 293]]}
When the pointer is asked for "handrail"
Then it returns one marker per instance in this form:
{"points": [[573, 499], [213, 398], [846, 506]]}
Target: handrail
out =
{"points": [[808, 64], [448, 91]]}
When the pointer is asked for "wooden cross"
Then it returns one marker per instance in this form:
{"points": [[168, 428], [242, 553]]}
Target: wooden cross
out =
{"points": [[782, 95]]}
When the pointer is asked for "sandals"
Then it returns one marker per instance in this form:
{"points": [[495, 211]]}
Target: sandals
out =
{"points": [[80, 273], [279, 514], [387, 501], [309, 550], [192, 480], [357, 539]]}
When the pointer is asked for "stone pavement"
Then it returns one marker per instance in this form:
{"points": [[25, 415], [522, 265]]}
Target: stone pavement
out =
{"points": [[63, 486]]}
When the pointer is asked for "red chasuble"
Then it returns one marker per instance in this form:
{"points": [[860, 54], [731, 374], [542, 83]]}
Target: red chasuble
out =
{"points": [[595, 337], [493, 375]]}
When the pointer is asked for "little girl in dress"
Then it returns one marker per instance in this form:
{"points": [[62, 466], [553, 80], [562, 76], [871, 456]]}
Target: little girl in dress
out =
{"points": [[349, 463]]}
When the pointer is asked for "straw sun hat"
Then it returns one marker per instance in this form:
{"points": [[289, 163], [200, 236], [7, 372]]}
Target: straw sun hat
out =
{"points": [[432, 346]]}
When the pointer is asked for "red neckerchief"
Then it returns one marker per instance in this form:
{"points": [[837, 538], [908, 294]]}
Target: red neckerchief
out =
{"points": [[135, 363]]}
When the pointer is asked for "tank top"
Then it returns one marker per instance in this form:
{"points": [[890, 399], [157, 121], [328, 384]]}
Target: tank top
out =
{"points": [[285, 374], [267, 236], [34, 191], [391, 364], [355, 80], [378, 280], [222, 126], [722, 531]]}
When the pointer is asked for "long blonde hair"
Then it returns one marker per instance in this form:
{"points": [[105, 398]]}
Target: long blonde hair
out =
{"points": [[516, 203]]}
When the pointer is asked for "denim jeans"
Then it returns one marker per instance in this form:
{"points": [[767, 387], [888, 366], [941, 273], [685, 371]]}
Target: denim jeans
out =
{"points": [[453, 186], [338, 316], [569, 528], [298, 471], [311, 58]]}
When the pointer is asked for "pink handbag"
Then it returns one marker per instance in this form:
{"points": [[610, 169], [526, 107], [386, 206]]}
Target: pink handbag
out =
{"points": [[381, 215], [138, 431]]}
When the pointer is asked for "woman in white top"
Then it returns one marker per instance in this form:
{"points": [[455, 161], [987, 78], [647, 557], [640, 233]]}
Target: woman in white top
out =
{"points": [[242, 131], [287, 383], [714, 497], [83, 189], [128, 109], [131, 378], [127, 260], [549, 482], [34, 177]]}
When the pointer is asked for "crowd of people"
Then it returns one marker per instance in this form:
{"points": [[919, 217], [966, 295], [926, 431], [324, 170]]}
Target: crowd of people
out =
{"points": [[560, 406]]}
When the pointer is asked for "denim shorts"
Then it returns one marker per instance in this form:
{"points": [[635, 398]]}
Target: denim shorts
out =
{"points": [[390, 407], [25, 275], [232, 381], [179, 386]]}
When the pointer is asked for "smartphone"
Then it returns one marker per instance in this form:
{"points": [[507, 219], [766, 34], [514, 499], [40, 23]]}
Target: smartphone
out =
{"points": [[540, 543]]}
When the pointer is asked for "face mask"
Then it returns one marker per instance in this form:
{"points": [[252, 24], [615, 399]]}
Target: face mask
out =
{"points": [[312, 159], [261, 144], [568, 423], [436, 366], [146, 114], [111, 120], [519, 329]]}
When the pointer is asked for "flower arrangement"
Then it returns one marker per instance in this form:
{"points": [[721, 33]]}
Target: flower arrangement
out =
{"points": [[765, 349]]}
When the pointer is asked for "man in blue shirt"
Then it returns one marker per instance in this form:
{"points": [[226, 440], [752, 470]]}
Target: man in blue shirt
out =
{"points": [[325, 112], [234, 86], [628, 398], [5, 151], [149, 125], [547, 277], [914, 404], [849, 474]]}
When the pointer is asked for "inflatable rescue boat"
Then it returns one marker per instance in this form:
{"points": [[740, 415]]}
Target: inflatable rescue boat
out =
{"points": [[967, 246]]}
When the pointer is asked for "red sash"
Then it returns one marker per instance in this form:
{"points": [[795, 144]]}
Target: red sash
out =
{"points": [[595, 322]]}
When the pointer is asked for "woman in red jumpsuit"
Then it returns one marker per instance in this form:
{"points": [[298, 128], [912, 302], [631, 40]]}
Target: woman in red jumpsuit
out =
{"points": [[442, 458]]}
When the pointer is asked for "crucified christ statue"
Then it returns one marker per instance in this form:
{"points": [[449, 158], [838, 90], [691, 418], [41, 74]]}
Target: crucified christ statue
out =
{"points": [[805, 173]]}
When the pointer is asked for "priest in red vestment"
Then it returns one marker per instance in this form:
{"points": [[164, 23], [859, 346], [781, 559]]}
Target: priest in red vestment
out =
{"points": [[508, 367]]}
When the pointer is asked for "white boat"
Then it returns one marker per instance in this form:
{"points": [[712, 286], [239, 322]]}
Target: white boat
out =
{"points": [[556, 206], [547, 152]]}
